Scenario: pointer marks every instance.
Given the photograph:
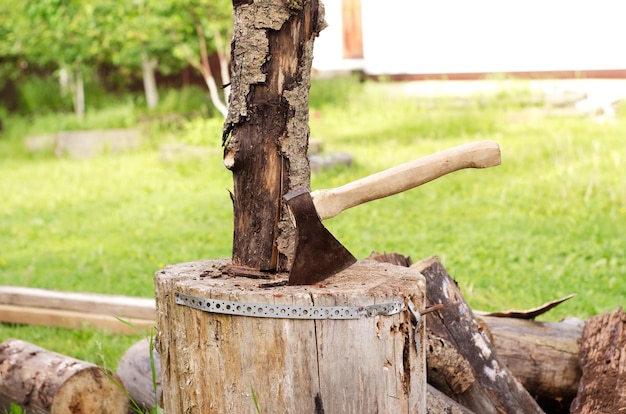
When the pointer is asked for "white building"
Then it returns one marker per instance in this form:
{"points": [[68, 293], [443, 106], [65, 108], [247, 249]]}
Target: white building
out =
{"points": [[466, 39]]}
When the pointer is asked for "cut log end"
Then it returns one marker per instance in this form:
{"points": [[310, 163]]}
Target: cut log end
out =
{"points": [[42, 381], [90, 390]]}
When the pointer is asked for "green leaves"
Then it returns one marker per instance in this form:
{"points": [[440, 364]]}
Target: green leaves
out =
{"points": [[109, 31]]}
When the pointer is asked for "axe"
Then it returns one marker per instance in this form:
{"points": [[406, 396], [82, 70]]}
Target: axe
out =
{"points": [[318, 254]]}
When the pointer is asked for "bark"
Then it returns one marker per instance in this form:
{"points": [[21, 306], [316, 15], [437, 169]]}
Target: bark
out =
{"points": [[268, 124], [369, 364], [41, 381], [602, 388], [461, 360]]}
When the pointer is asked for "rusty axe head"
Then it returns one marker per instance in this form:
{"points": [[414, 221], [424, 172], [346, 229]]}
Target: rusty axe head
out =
{"points": [[318, 254]]}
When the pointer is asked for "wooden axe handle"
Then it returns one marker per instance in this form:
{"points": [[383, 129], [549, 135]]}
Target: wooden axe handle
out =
{"points": [[331, 202]]}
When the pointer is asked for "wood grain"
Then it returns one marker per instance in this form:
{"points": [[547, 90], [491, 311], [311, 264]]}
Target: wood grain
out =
{"points": [[42, 381], [293, 365], [28, 315]]}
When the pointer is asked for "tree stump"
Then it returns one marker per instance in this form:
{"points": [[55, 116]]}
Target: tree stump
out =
{"points": [[220, 362], [602, 388], [42, 381]]}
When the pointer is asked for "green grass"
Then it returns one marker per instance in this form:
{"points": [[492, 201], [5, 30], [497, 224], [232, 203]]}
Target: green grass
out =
{"points": [[548, 222]]}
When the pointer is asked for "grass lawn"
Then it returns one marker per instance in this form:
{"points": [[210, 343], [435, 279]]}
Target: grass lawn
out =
{"points": [[550, 221]]}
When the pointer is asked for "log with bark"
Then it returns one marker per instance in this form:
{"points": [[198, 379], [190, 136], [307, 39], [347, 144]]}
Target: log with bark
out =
{"points": [[135, 371], [602, 388], [42, 381], [461, 360], [439, 403], [543, 356]]}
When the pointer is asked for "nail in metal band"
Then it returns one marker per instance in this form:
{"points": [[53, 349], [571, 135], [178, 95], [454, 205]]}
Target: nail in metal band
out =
{"points": [[418, 323], [288, 312]]}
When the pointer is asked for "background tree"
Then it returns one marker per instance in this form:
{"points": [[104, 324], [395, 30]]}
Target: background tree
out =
{"points": [[197, 29], [133, 36], [74, 37], [63, 33], [169, 35]]}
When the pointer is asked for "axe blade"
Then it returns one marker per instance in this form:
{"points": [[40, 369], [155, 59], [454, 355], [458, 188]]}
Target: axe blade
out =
{"points": [[318, 254]]}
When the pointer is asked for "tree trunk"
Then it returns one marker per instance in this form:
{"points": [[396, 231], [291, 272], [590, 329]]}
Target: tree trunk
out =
{"points": [[602, 388], [461, 361], [79, 92], [149, 82], [64, 80], [213, 361], [41, 381], [267, 122], [543, 356], [205, 69]]}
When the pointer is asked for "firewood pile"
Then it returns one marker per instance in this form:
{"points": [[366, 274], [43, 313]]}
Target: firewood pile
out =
{"points": [[507, 362]]}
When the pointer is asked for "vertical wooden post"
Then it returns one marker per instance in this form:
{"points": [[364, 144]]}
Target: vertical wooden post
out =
{"points": [[272, 50]]}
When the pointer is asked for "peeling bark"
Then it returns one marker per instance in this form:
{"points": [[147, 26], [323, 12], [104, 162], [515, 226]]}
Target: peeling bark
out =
{"points": [[268, 124]]}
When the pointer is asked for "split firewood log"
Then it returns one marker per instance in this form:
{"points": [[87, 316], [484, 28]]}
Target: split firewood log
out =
{"points": [[602, 388], [42, 381], [461, 360], [543, 356]]}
